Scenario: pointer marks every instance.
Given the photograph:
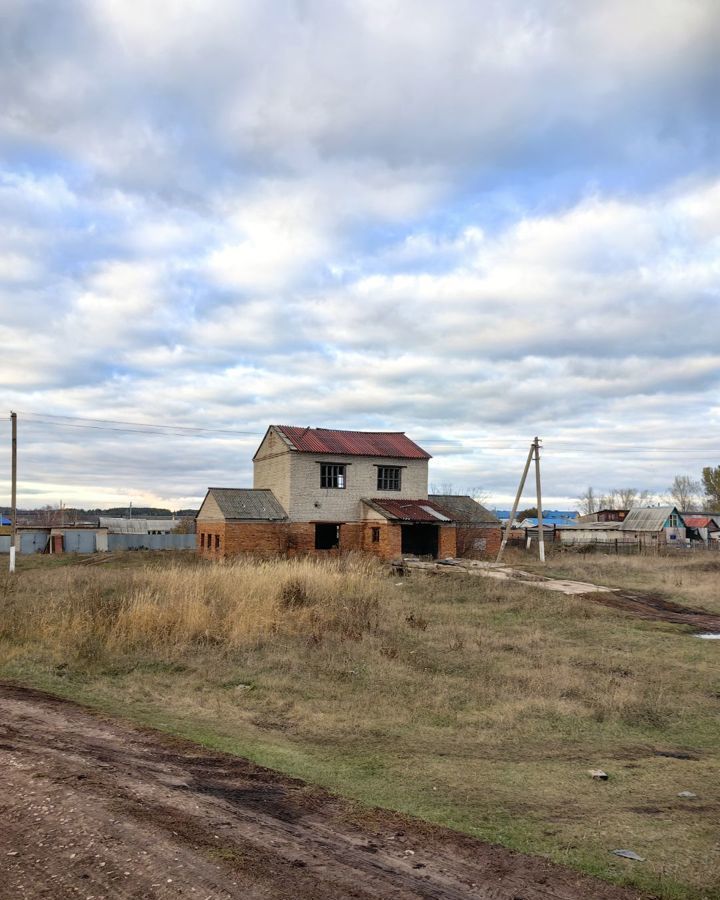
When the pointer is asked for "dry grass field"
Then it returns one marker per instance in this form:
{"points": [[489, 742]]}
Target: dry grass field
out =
{"points": [[473, 703]]}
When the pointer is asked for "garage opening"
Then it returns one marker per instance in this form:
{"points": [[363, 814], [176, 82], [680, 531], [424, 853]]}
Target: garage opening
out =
{"points": [[327, 536], [420, 540]]}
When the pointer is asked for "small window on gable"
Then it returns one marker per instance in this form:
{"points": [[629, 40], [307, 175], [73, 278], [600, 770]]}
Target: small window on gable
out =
{"points": [[332, 475], [376, 535], [388, 478]]}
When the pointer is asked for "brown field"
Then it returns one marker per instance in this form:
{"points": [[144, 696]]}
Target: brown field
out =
{"points": [[471, 703]]}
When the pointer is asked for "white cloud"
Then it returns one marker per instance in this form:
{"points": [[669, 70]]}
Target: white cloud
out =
{"points": [[469, 220]]}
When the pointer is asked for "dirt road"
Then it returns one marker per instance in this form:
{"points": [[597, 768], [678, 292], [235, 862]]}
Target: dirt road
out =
{"points": [[92, 808], [637, 603], [649, 606]]}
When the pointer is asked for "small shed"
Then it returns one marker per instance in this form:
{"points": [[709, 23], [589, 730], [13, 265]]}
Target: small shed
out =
{"points": [[479, 532], [240, 520]]}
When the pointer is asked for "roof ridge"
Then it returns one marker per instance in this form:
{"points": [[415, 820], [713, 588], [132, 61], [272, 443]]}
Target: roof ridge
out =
{"points": [[306, 428]]}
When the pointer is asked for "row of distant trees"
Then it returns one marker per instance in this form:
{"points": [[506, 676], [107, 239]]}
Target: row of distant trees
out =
{"points": [[685, 493]]}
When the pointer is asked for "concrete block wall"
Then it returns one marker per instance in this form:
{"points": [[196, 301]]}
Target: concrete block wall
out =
{"points": [[343, 504], [271, 468]]}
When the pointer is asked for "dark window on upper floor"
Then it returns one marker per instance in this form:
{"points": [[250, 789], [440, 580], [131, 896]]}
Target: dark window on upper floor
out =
{"points": [[388, 478], [332, 475]]}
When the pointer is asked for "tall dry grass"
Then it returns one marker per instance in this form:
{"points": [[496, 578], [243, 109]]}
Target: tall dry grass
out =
{"points": [[168, 609]]}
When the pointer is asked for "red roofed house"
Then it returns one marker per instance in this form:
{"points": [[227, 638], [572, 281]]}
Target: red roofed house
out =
{"points": [[319, 490]]}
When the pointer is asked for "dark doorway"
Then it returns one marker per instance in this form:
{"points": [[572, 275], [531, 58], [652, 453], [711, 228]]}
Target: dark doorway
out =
{"points": [[327, 536], [420, 540]]}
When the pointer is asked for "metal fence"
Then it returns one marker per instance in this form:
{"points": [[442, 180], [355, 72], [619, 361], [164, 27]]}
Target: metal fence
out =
{"points": [[151, 542], [86, 542]]}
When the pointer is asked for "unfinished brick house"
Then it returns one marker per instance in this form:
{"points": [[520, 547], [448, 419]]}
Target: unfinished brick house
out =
{"points": [[319, 490]]}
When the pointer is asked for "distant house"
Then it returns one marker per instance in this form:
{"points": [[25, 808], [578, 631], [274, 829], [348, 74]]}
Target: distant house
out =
{"points": [[602, 515], [654, 526], [558, 518], [138, 524], [320, 490], [701, 527], [479, 532]]}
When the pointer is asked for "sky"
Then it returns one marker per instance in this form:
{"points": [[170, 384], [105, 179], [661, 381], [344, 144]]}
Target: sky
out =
{"points": [[475, 221]]}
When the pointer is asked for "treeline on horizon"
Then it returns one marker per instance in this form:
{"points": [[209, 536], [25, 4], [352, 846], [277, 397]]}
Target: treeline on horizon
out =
{"points": [[137, 511]]}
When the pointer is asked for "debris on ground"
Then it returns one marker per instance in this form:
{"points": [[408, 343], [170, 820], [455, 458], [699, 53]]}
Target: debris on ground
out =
{"points": [[598, 774], [687, 794], [629, 854]]}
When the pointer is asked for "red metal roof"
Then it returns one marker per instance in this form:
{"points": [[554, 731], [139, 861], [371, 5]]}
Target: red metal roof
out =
{"points": [[411, 510], [392, 444], [697, 521]]}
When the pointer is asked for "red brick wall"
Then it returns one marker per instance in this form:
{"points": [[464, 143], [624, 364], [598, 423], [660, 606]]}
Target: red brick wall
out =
{"points": [[264, 538], [447, 541], [298, 539], [467, 535], [389, 545]]}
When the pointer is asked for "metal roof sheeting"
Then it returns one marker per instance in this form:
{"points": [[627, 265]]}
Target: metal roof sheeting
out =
{"points": [[464, 509], [409, 510], [390, 444], [648, 518], [248, 503], [699, 521]]}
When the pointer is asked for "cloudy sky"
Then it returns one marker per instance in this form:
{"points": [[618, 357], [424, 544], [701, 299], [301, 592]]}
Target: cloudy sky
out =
{"points": [[472, 220]]}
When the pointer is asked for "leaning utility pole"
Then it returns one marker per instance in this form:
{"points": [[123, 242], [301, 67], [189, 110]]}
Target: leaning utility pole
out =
{"points": [[533, 453], [516, 503], [541, 537], [13, 491]]}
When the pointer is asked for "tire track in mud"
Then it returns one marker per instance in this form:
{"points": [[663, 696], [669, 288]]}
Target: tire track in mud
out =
{"points": [[96, 808]]}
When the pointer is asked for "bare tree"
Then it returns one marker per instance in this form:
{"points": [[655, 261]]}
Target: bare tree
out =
{"points": [[478, 494], [626, 497], [609, 501], [685, 493], [449, 489], [443, 487], [588, 502]]}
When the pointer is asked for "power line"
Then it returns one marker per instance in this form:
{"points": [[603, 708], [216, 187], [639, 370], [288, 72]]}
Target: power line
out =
{"points": [[489, 444], [44, 417]]}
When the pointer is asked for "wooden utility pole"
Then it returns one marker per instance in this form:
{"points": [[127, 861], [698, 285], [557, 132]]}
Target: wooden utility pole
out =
{"points": [[13, 491], [516, 503], [541, 537]]}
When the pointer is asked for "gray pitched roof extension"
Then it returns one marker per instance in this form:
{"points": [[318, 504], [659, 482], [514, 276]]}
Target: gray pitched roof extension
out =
{"points": [[248, 503], [647, 519], [464, 509]]}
